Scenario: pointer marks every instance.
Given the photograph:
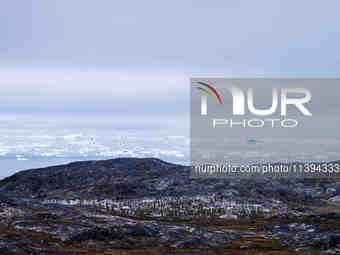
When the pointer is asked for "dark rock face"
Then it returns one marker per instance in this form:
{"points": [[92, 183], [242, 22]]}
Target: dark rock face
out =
{"points": [[124, 177], [138, 178], [72, 209], [192, 242]]}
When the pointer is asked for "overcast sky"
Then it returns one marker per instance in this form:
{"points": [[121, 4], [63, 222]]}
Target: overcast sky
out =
{"points": [[136, 57], [98, 70]]}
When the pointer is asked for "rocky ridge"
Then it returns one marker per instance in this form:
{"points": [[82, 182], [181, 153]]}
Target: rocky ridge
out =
{"points": [[148, 206]]}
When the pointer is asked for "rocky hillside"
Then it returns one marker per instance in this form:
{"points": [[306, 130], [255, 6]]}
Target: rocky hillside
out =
{"points": [[133, 178], [128, 177], [148, 206]]}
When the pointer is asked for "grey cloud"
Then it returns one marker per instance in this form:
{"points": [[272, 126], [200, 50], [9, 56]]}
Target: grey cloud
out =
{"points": [[121, 93], [278, 37]]}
